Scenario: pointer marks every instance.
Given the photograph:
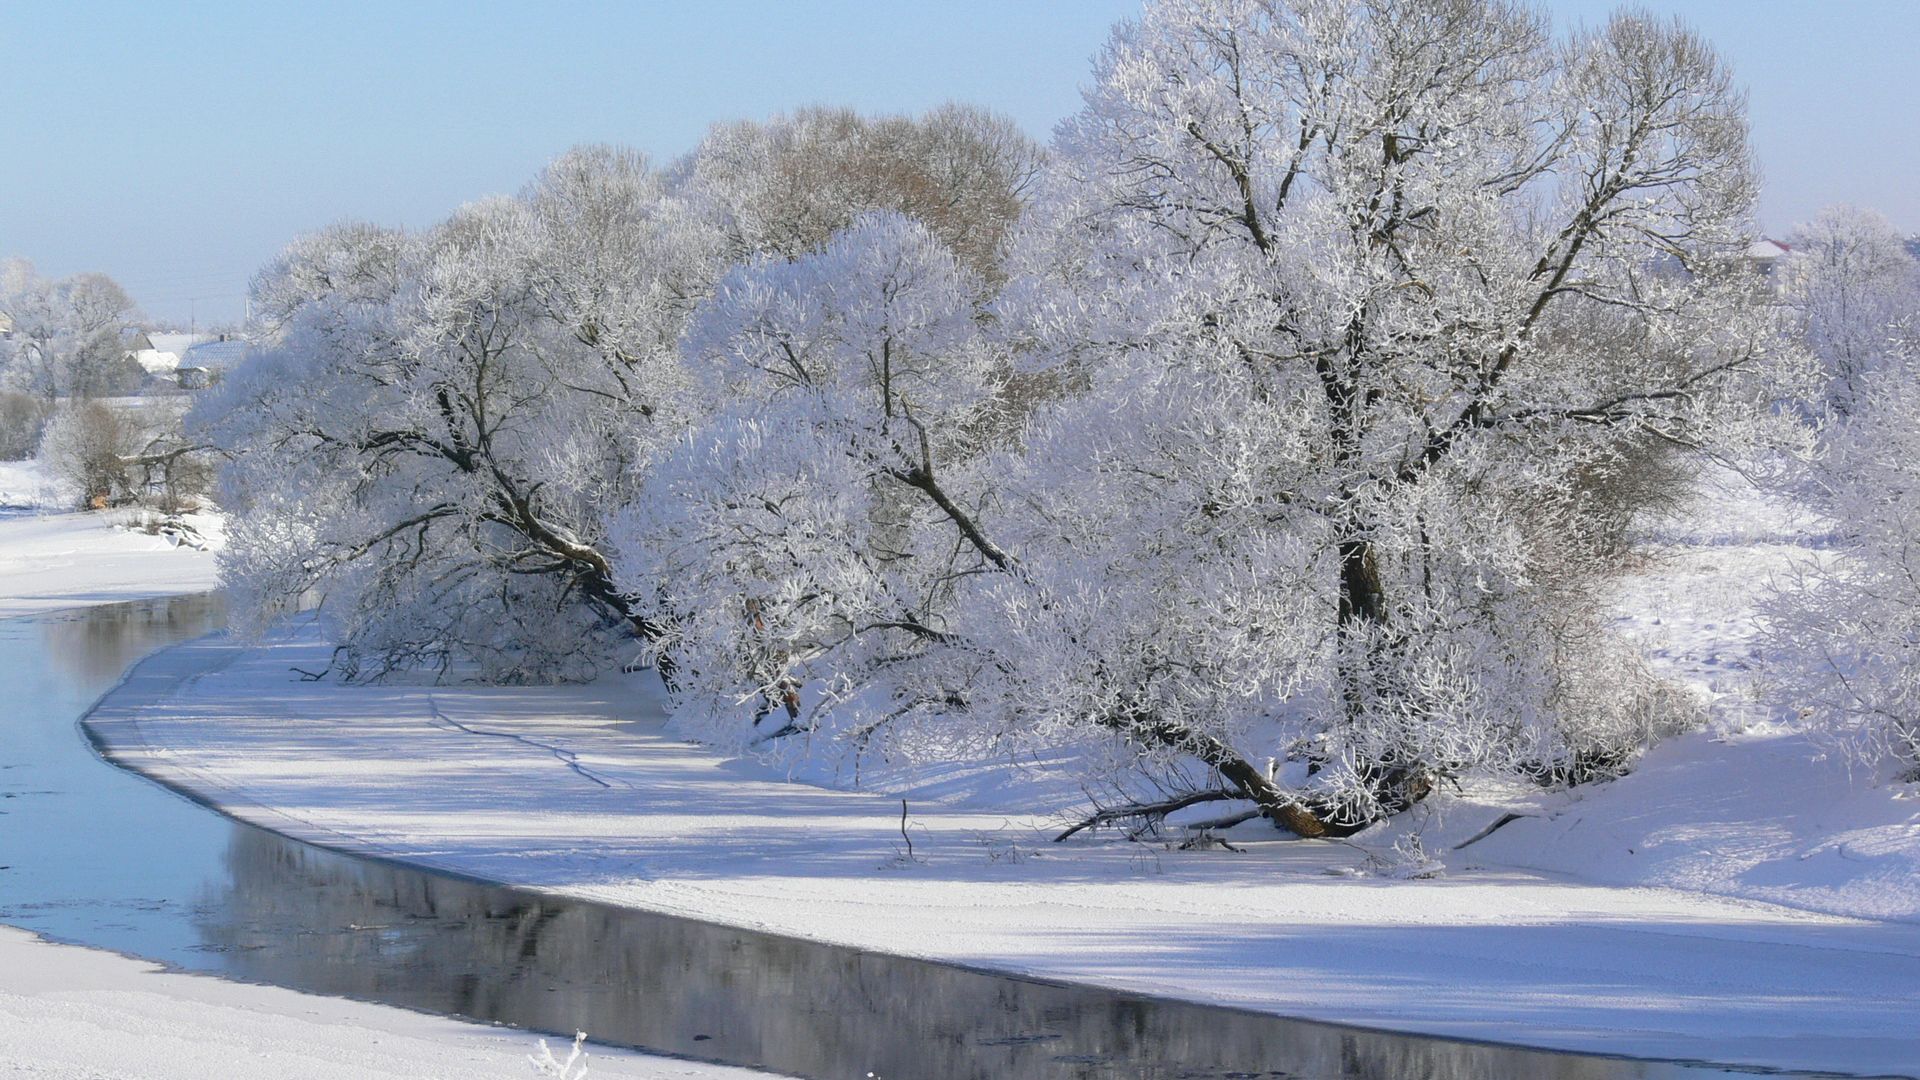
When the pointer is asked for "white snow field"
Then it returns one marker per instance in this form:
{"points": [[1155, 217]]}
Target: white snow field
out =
{"points": [[80, 1014], [53, 559], [1739, 898]]}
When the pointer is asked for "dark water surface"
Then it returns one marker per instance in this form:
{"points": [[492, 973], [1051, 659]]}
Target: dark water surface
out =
{"points": [[95, 855]]}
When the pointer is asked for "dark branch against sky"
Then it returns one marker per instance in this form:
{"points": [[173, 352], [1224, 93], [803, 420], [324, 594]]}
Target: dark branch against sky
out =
{"points": [[179, 146]]}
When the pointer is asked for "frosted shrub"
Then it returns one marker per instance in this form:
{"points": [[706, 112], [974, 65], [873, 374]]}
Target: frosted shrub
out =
{"points": [[573, 1067], [1846, 631], [87, 447]]}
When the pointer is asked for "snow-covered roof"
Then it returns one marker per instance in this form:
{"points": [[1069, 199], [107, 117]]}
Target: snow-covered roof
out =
{"points": [[215, 355], [178, 344], [156, 361], [1766, 248]]}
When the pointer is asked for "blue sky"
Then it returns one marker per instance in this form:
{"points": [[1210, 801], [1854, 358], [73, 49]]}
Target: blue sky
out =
{"points": [[178, 146]]}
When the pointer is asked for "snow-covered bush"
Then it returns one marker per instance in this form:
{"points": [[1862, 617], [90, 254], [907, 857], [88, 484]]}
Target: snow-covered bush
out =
{"points": [[1844, 636], [87, 448], [571, 1067], [110, 455]]}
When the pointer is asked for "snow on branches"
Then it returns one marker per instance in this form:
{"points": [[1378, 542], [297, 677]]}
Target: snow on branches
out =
{"points": [[1844, 634], [430, 438], [1387, 300], [1282, 453]]}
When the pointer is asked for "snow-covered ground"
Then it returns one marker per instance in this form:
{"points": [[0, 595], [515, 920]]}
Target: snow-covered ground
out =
{"points": [[52, 558], [78, 1014], [1739, 898], [1748, 807]]}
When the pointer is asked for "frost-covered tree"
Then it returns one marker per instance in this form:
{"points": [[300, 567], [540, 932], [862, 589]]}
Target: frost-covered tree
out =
{"points": [[1852, 280], [429, 438], [1366, 297], [65, 339], [1844, 634], [808, 532], [1360, 316]]}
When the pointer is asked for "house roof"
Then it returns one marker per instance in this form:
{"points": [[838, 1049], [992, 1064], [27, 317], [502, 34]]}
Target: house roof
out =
{"points": [[178, 344], [1766, 248], [156, 362], [215, 355]]}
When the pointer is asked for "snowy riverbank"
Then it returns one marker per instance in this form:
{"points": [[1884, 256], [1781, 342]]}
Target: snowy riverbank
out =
{"points": [[1660, 947], [79, 1014], [69, 1013], [52, 558]]}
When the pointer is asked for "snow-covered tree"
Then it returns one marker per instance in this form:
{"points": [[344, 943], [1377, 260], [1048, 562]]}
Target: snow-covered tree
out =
{"points": [[1367, 298], [1850, 276], [65, 339], [786, 185], [1844, 634], [808, 533], [429, 438]]}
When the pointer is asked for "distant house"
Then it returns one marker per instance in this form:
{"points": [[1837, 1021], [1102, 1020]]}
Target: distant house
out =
{"points": [[207, 362], [6, 325], [162, 354], [1763, 254]]}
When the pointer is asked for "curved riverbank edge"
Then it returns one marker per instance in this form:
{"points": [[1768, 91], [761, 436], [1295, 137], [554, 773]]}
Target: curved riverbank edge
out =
{"points": [[385, 773], [111, 919]]}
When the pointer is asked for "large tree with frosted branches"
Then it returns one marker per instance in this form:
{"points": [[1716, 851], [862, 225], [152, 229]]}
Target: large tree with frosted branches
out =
{"points": [[1362, 318], [1398, 287]]}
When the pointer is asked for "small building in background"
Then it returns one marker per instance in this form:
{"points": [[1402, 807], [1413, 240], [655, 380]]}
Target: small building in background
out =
{"points": [[161, 354], [207, 362], [1765, 253]]}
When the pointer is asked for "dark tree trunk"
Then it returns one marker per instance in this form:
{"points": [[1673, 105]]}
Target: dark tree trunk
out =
{"points": [[1362, 598]]}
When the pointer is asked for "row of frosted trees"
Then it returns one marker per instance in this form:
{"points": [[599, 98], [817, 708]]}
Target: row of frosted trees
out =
{"points": [[1272, 437]]}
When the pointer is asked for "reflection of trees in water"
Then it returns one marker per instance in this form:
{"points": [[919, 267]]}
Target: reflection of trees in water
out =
{"points": [[94, 646], [306, 918]]}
